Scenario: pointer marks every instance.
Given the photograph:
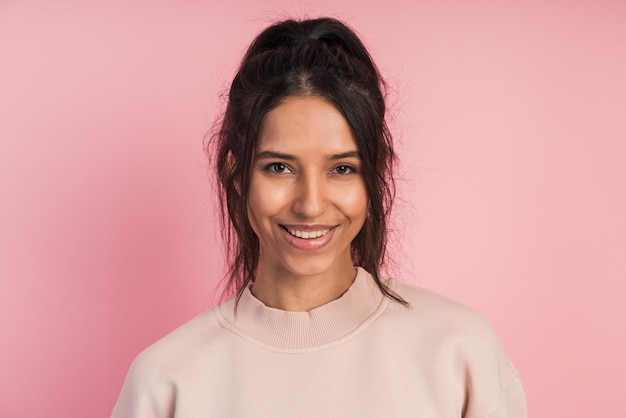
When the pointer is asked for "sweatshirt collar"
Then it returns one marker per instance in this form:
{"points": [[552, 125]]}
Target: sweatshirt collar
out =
{"points": [[297, 331]]}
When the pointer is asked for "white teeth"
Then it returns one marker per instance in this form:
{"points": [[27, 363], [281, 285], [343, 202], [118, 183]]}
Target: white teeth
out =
{"points": [[308, 234]]}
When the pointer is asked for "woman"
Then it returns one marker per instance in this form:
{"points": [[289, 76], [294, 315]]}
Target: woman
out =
{"points": [[305, 166]]}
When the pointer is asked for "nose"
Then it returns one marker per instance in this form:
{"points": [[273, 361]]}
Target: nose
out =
{"points": [[310, 197]]}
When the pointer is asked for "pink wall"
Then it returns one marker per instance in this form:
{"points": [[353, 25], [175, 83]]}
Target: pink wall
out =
{"points": [[513, 194]]}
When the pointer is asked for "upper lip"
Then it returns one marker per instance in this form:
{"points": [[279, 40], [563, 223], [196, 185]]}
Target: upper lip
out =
{"points": [[297, 227]]}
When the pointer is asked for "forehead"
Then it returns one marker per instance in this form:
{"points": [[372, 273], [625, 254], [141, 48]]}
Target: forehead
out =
{"points": [[308, 124]]}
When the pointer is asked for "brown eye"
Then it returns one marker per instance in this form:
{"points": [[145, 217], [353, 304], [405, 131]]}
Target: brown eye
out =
{"points": [[277, 168], [344, 169]]}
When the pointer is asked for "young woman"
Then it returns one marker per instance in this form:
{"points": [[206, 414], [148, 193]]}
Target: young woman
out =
{"points": [[305, 167]]}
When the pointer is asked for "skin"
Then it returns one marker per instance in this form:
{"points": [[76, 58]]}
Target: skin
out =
{"points": [[306, 177]]}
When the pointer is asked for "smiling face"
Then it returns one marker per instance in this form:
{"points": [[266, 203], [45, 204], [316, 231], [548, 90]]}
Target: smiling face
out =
{"points": [[307, 199]]}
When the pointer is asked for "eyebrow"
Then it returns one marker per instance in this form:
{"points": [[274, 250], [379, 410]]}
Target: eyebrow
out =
{"points": [[349, 154], [269, 155]]}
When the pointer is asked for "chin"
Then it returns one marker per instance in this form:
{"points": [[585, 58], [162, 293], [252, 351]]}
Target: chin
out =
{"points": [[315, 266]]}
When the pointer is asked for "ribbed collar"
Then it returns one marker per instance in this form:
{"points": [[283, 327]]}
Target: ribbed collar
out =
{"points": [[288, 331]]}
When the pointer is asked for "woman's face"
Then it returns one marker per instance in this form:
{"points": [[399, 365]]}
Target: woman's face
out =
{"points": [[307, 198]]}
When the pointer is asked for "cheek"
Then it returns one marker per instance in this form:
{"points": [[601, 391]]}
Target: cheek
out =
{"points": [[355, 201], [252, 219], [254, 206], [263, 203]]}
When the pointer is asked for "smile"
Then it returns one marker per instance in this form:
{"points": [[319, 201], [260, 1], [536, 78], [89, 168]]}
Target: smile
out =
{"points": [[308, 237], [308, 234]]}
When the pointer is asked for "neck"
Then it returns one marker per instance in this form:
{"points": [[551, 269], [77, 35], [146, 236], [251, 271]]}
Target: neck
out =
{"points": [[292, 292]]}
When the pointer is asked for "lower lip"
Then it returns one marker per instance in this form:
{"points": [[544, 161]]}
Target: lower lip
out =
{"points": [[308, 244]]}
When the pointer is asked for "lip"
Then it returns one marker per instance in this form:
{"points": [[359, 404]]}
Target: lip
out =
{"points": [[317, 227], [308, 244]]}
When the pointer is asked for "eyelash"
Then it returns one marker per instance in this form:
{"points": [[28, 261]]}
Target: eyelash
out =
{"points": [[350, 169], [280, 168], [272, 168]]}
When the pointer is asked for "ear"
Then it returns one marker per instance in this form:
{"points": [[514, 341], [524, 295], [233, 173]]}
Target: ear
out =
{"points": [[230, 159]]}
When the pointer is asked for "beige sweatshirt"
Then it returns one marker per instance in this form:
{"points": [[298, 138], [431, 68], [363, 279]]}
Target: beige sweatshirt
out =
{"points": [[361, 355]]}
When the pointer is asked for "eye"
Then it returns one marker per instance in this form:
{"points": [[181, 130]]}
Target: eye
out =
{"points": [[344, 169], [278, 168]]}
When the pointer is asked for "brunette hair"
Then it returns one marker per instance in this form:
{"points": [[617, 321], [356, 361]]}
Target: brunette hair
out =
{"points": [[317, 57]]}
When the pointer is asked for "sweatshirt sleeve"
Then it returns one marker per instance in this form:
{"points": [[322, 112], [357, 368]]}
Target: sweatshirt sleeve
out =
{"points": [[493, 385], [145, 394], [513, 402]]}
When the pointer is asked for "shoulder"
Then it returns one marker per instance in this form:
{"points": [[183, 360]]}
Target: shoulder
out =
{"points": [[439, 313], [448, 322], [155, 373], [159, 371], [447, 328], [454, 334], [187, 342]]}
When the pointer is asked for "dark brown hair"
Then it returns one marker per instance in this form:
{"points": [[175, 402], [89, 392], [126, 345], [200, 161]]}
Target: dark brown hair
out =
{"points": [[318, 57]]}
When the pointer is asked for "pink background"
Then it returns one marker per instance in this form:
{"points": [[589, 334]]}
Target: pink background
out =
{"points": [[512, 132]]}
